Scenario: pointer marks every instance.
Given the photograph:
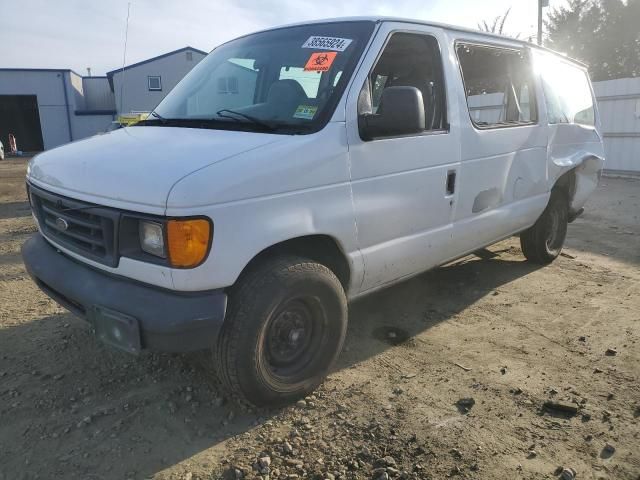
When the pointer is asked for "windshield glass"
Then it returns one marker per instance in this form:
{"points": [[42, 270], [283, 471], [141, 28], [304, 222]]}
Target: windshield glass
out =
{"points": [[287, 80]]}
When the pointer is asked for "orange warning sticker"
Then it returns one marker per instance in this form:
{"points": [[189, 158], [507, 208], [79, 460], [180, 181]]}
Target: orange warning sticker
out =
{"points": [[320, 61]]}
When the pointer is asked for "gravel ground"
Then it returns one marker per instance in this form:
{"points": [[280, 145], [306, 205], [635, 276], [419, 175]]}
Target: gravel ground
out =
{"points": [[487, 368]]}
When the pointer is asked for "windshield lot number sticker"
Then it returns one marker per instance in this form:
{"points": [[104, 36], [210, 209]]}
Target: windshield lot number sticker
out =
{"points": [[306, 112], [320, 61], [327, 43]]}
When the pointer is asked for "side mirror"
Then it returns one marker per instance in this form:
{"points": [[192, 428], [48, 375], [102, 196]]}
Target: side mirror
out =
{"points": [[401, 112]]}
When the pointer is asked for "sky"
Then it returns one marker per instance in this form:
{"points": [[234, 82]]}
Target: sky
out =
{"points": [[78, 34]]}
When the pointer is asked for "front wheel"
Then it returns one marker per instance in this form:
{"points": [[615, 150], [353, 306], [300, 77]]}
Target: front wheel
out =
{"points": [[543, 242], [285, 327]]}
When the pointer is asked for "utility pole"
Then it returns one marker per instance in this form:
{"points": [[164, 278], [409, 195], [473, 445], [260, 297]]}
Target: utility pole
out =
{"points": [[541, 5]]}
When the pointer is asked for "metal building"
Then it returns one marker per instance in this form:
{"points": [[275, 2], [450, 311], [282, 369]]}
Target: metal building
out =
{"points": [[45, 108], [141, 86]]}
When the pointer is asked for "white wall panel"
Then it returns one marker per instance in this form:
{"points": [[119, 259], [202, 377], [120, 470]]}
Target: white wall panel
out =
{"points": [[619, 106]]}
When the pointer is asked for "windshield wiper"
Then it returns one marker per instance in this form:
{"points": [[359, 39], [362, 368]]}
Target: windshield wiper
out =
{"points": [[158, 116], [223, 113]]}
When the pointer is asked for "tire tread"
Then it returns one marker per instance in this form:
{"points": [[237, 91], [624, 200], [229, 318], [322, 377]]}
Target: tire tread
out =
{"points": [[270, 270], [532, 241]]}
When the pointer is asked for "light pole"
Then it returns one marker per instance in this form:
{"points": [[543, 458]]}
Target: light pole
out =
{"points": [[541, 5]]}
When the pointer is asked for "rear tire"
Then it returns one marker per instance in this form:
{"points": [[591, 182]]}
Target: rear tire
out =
{"points": [[543, 242], [285, 326]]}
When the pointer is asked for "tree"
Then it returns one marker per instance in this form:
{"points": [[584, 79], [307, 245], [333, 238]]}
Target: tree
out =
{"points": [[497, 26], [604, 34]]}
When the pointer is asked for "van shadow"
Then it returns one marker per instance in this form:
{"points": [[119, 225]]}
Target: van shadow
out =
{"points": [[71, 407], [398, 314]]}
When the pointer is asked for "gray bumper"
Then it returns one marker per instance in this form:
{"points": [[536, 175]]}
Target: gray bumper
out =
{"points": [[126, 314]]}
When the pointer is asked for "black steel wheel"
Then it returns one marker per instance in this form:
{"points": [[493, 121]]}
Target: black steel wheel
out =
{"points": [[285, 327]]}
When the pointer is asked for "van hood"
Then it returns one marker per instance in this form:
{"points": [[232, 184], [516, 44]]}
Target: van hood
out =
{"points": [[136, 167]]}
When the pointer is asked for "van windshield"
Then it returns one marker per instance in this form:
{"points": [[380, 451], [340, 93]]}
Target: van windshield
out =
{"points": [[287, 80]]}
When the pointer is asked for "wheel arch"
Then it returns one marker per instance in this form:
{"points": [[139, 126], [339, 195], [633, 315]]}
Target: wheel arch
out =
{"points": [[579, 180], [566, 183], [321, 248]]}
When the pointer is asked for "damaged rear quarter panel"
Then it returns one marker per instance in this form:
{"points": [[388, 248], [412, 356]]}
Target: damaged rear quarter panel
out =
{"points": [[578, 148]]}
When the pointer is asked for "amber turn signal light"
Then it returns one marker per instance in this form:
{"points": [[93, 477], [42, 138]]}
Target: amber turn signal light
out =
{"points": [[188, 242]]}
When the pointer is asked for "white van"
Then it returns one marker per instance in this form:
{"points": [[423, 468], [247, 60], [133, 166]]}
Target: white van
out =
{"points": [[299, 168]]}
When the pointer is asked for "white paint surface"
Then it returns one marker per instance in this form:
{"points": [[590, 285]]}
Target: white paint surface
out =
{"points": [[384, 201]]}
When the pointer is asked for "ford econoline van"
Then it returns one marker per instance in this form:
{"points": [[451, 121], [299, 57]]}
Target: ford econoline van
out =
{"points": [[298, 168]]}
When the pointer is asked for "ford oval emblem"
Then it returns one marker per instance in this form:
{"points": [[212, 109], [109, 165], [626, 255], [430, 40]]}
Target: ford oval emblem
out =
{"points": [[61, 224]]}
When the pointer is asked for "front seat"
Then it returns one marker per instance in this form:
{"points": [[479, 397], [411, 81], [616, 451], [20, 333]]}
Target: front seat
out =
{"points": [[283, 99]]}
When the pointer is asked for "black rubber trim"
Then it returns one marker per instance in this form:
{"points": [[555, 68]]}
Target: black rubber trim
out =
{"points": [[574, 215], [169, 321]]}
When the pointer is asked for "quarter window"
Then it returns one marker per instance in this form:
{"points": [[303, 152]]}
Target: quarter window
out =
{"points": [[155, 83], [498, 84], [566, 91]]}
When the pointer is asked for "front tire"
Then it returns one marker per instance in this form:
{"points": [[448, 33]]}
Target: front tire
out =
{"points": [[285, 326], [543, 242]]}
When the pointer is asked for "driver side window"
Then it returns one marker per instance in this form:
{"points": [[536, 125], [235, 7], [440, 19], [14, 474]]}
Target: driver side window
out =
{"points": [[408, 60]]}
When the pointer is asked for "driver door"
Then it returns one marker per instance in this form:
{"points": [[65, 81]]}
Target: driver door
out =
{"points": [[404, 186]]}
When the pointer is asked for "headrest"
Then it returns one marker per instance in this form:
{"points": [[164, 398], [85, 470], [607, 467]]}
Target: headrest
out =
{"points": [[285, 91]]}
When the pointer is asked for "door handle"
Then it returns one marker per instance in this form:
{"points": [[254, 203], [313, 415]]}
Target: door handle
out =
{"points": [[450, 186]]}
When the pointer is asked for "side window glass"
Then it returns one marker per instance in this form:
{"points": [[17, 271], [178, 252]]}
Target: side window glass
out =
{"points": [[408, 60], [566, 90], [498, 84]]}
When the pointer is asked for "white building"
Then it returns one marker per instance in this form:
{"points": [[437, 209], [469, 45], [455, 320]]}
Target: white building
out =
{"points": [[45, 108], [141, 86]]}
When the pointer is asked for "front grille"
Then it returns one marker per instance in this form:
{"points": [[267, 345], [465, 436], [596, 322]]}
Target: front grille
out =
{"points": [[86, 229]]}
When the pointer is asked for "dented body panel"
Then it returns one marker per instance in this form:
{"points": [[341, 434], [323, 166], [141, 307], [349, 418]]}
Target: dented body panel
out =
{"points": [[578, 150]]}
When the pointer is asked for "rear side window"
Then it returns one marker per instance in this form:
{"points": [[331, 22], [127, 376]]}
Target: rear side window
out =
{"points": [[566, 89], [498, 84]]}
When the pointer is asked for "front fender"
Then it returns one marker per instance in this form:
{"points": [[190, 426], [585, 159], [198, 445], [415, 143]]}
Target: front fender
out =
{"points": [[244, 229], [289, 189]]}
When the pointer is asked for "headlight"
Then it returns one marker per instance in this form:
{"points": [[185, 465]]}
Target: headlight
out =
{"points": [[152, 238], [180, 243], [188, 242]]}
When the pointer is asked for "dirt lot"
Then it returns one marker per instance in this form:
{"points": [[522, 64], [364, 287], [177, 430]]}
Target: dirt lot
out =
{"points": [[493, 328]]}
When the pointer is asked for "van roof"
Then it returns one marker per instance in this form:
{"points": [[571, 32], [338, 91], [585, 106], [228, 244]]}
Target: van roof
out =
{"points": [[379, 19]]}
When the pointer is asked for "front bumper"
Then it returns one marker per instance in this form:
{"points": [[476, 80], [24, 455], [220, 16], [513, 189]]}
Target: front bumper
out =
{"points": [[126, 314]]}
